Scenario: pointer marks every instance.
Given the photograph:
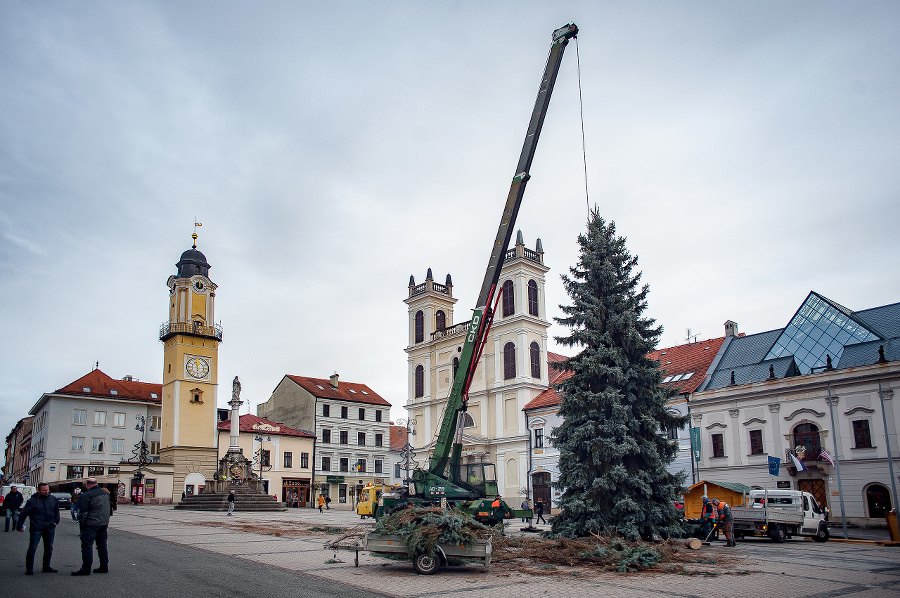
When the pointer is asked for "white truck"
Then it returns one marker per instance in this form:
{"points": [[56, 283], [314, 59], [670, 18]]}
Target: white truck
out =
{"points": [[780, 514]]}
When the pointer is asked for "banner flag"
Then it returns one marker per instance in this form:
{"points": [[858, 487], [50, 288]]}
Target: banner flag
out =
{"points": [[824, 455], [798, 463], [695, 443], [774, 465]]}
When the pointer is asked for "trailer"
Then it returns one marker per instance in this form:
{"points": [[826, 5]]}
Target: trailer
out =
{"points": [[423, 563]]}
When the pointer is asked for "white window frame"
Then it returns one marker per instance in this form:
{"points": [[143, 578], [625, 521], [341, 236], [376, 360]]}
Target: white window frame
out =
{"points": [[77, 444], [118, 446], [79, 421], [119, 415], [97, 444], [99, 418]]}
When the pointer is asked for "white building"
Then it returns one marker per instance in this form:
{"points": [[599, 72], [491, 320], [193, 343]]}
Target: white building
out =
{"points": [[351, 423], [511, 372], [87, 428]]}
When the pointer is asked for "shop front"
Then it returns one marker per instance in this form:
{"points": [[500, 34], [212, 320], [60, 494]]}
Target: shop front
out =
{"points": [[295, 492]]}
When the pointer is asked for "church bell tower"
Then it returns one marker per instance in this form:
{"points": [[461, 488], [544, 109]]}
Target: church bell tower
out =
{"points": [[189, 437]]}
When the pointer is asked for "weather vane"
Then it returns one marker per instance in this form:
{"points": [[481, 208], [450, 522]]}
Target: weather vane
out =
{"points": [[194, 234]]}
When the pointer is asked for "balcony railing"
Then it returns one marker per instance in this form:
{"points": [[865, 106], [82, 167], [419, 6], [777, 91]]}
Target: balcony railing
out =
{"points": [[429, 285], [169, 329], [455, 329]]}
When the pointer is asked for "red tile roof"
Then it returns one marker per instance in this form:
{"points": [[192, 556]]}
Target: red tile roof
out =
{"points": [[100, 385], [346, 391], [247, 422], [682, 359], [398, 438], [690, 358]]}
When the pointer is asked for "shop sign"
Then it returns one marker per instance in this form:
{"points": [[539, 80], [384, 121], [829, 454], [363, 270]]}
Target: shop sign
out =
{"points": [[334, 479]]}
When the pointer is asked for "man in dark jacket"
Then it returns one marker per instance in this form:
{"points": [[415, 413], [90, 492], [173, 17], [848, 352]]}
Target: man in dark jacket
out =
{"points": [[93, 517], [12, 502], [43, 509]]}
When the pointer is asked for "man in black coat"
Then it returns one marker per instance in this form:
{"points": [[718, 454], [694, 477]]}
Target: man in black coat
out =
{"points": [[12, 502], [43, 509], [93, 517]]}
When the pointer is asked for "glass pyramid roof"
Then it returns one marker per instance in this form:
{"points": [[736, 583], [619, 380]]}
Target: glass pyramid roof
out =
{"points": [[820, 327]]}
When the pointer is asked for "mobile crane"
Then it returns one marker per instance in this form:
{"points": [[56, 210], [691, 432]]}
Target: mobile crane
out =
{"points": [[473, 487]]}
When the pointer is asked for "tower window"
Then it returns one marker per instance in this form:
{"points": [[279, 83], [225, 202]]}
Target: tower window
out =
{"points": [[509, 299], [535, 360], [532, 298], [420, 327], [509, 361], [420, 381], [440, 320]]}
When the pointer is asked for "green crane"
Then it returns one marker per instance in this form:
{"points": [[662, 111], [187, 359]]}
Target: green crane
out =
{"points": [[474, 486]]}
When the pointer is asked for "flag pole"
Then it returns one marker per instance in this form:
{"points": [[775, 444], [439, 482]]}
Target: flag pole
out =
{"points": [[837, 458]]}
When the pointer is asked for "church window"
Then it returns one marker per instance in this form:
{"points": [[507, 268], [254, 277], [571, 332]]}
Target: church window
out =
{"points": [[440, 320], [509, 299], [532, 298], [420, 327], [420, 381], [535, 360], [509, 361]]}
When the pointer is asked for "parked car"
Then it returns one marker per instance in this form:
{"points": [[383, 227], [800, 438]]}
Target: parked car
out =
{"points": [[64, 498]]}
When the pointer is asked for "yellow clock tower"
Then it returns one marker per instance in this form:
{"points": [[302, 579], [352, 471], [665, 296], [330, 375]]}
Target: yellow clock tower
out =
{"points": [[189, 437]]}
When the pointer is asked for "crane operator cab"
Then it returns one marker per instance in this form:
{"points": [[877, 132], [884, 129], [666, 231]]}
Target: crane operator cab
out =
{"points": [[480, 476]]}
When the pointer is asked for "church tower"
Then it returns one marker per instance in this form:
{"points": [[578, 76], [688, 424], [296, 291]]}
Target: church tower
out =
{"points": [[189, 438]]}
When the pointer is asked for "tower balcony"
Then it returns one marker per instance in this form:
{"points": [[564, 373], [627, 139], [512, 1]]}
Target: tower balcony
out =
{"points": [[169, 329]]}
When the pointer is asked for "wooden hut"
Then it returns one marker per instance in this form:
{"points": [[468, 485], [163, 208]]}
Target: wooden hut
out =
{"points": [[730, 492]]}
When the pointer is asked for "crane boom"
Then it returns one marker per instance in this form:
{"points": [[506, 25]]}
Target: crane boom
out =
{"points": [[481, 318]]}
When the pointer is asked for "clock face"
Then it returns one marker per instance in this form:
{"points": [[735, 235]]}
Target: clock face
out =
{"points": [[198, 285], [197, 367]]}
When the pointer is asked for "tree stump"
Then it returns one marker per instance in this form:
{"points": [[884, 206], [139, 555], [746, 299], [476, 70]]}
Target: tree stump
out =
{"points": [[693, 544]]}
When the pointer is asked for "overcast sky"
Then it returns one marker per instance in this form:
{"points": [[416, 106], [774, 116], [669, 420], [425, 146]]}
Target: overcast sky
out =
{"points": [[748, 152]]}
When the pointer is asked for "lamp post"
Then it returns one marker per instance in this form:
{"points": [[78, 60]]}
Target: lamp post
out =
{"points": [[408, 461], [259, 457], [140, 449]]}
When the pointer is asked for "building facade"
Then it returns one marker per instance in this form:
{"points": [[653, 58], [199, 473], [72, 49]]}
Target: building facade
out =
{"points": [[512, 370], [88, 429], [819, 390], [351, 423], [18, 453], [282, 457]]}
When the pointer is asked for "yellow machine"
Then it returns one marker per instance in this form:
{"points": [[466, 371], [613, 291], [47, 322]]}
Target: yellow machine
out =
{"points": [[369, 497]]}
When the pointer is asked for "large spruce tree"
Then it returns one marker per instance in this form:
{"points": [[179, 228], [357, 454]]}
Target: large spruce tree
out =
{"points": [[613, 456]]}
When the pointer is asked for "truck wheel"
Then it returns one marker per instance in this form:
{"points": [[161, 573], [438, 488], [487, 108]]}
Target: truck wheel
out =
{"points": [[822, 535], [779, 535], [425, 564]]}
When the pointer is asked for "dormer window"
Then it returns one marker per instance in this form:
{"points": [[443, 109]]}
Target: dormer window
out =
{"points": [[85, 389], [153, 395], [113, 391]]}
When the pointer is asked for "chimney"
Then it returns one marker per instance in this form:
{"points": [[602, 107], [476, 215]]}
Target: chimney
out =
{"points": [[334, 380], [731, 328]]}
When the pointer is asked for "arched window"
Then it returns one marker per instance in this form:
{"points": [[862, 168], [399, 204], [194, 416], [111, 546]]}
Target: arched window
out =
{"points": [[420, 381], [535, 360], [440, 320], [807, 436], [466, 420], [509, 299], [455, 366], [532, 298], [509, 361], [420, 327]]}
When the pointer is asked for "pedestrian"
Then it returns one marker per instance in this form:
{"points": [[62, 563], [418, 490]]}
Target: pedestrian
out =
{"points": [[707, 516], [540, 511], [525, 507], [726, 519], [76, 494], [94, 510], [43, 510], [230, 501], [12, 503], [321, 503], [327, 503]]}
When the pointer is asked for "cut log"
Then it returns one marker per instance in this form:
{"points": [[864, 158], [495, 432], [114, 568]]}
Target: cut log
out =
{"points": [[693, 544]]}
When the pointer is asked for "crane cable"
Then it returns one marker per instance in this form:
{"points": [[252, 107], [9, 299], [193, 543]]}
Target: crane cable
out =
{"points": [[583, 144]]}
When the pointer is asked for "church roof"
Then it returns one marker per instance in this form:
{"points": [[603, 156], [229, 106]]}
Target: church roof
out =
{"points": [[96, 384], [250, 424], [346, 391]]}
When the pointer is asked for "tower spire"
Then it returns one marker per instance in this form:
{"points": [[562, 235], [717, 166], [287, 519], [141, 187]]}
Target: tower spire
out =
{"points": [[194, 234]]}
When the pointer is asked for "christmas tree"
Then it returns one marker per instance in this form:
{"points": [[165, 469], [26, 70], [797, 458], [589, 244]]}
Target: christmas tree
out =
{"points": [[613, 457]]}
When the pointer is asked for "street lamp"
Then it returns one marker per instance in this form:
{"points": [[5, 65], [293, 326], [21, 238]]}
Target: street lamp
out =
{"points": [[140, 452], [407, 451], [259, 457]]}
